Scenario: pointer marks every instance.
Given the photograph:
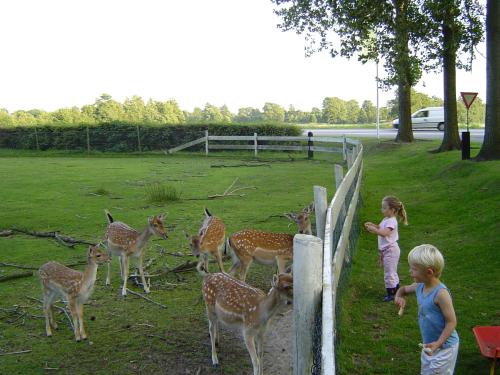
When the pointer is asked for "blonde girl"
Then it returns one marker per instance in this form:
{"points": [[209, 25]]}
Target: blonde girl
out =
{"points": [[387, 232]]}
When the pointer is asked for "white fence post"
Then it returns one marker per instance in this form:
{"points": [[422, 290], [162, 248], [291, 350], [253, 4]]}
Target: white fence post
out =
{"points": [[344, 147], [339, 175], [320, 208], [307, 288], [206, 142], [255, 143]]}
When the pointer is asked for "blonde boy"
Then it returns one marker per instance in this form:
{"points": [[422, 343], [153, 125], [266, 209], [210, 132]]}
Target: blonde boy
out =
{"points": [[436, 316]]}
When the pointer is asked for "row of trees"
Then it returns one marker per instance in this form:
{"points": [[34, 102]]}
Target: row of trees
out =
{"points": [[408, 37], [334, 111]]}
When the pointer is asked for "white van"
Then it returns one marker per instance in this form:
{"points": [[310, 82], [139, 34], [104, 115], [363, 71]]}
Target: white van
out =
{"points": [[430, 117]]}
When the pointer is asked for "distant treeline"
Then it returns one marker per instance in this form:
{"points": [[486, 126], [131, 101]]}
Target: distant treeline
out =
{"points": [[135, 110]]}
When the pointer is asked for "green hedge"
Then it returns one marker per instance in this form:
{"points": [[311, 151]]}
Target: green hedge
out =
{"points": [[119, 137]]}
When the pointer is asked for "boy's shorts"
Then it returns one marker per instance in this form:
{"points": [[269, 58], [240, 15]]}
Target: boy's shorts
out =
{"points": [[441, 362]]}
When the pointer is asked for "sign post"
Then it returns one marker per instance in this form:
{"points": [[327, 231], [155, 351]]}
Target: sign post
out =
{"points": [[468, 98]]}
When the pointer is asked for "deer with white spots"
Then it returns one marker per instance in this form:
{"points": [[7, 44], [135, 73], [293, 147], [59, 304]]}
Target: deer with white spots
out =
{"points": [[74, 286], [209, 240], [267, 248], [126, 242], [237, 304]]}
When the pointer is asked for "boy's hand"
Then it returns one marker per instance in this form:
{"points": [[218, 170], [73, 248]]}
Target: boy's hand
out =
{"points": [[431, 347], [400, 301]]}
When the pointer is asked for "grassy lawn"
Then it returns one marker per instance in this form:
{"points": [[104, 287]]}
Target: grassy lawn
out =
{"points": [[451, 204], [68, 192]]}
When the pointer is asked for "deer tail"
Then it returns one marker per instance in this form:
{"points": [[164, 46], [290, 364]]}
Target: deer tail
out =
{"points": [[108, 216], [207, 212]]}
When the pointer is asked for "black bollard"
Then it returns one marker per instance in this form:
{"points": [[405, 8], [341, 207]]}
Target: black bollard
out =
{"points": [[465, 145], [310, 144]]}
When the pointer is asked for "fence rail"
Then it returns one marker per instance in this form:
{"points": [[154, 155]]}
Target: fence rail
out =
{"points": [[337, 230], [255, 146]]}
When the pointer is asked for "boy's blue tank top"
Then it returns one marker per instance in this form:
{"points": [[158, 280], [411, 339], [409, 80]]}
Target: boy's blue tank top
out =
{"points": [[431, 318]]}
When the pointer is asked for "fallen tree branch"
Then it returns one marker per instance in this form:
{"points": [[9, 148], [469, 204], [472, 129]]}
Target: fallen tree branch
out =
{"points": [[146, 298], [67, 241], [24, 267], [19, 352], [16, 276], [6, 233], [228, 192], [57, 307], [240, 165]]}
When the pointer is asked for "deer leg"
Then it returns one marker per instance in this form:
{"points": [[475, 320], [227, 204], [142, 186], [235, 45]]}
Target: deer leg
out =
{"points": [[48, 297], [243, 270], [205, 261], [141, 272], [124, 263], [108, 279], [260, 351], [219, 260], [235, 268], [52, 321], [250, 344], [212, 329], [281, 262], [79, 310], [74, 316]]}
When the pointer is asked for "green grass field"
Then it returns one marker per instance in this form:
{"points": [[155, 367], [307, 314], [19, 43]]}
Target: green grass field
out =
{"points": [[58, 191], [451, 204]]}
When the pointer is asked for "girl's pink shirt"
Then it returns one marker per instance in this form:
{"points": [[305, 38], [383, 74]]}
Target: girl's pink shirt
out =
{"points": [[393, 237]]}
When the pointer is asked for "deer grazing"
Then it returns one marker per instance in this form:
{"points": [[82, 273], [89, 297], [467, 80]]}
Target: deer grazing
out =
{"points": [[267, 248], [74, 286], [236, 304], [209, 240], [126, 242]]}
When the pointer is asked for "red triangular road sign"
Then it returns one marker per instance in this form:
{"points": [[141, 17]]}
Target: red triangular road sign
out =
{"points": [[468, 98]]}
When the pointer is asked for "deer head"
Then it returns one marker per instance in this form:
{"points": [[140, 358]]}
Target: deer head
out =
{"points": [[156, 225], [97, 255], [302, 219], [194, 244], [283, 283]]}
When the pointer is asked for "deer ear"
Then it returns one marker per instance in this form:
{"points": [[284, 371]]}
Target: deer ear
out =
{"points": [[290, 216], [309, 208], [162, 216], [90, 251], [276, 278], [150, 219]]}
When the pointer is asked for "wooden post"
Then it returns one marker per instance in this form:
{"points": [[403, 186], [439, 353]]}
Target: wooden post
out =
{"points": [[344, 148], [255, 145], [307, 288], [88, 140], [138, 139], [36, 140], [310, 144], [339, 175], [350, 158], [206, 142], [320, 208]]}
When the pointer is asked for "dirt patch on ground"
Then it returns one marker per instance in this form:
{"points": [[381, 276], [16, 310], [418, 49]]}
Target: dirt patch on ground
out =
{"points": [[278, 344]]}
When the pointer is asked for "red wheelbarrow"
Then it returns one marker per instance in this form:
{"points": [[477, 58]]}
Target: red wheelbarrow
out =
{"points": [[488, 339]]}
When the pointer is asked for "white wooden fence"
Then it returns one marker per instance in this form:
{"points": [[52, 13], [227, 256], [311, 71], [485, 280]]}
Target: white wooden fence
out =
{"points": [[256, 146], [317, 290]]}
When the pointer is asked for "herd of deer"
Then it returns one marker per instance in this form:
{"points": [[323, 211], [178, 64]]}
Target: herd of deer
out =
{"points": [[228, 300]]}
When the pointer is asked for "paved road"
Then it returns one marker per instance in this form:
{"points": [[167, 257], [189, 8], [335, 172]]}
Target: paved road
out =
{"points": [[476, 135]]}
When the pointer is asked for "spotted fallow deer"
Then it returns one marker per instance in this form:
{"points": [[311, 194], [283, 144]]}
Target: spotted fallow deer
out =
{"points": [[209, 240], [237, 304], [126, 242], [267, 248], [74, 286]]}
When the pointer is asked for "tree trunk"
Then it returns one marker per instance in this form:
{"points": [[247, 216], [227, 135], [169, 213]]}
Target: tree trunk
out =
{"points": [[490, 149], [451, 139], [402, 61]]}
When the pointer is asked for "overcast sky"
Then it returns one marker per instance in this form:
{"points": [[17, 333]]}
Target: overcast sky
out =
{"points": [[62, 53]]}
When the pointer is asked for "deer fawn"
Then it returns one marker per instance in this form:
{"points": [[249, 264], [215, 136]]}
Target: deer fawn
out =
{"points": [[126, 242], [210, 240], [266, 248], [234, 303], [74, 286]]}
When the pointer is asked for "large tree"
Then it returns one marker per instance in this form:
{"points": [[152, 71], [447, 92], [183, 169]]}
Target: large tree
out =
{"points": [[455, 27], [490, 149], [389, 29]]}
